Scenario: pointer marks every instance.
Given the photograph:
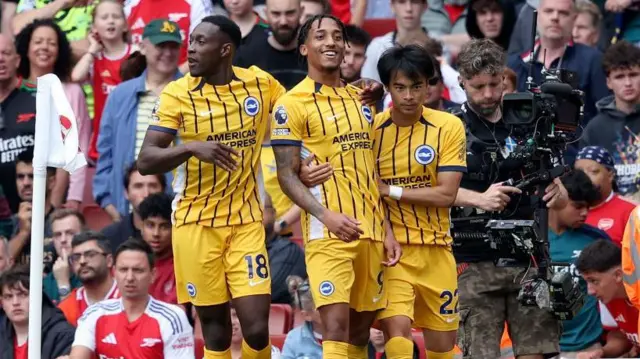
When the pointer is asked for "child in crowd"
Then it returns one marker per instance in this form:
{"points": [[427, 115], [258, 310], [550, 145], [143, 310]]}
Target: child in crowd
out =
{"points": [[304, 341], [236, 339], [109, 46]]}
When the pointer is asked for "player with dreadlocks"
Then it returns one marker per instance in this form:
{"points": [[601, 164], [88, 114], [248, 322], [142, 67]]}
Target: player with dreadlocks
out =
{"points": [[343, 221]]}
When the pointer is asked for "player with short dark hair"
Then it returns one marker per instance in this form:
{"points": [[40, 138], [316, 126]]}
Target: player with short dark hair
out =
{"points": [[343, 220], [420, 157], [600, 265], [355, 52], [136, 325], [218, 116]]}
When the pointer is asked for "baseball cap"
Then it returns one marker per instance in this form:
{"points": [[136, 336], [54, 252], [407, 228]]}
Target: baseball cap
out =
{"points": [[162, 30]]}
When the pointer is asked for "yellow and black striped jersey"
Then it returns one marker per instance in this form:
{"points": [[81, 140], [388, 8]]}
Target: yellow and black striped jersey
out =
{"points": [[332, 124], [411, 157], [281, 203], [237, 115]]}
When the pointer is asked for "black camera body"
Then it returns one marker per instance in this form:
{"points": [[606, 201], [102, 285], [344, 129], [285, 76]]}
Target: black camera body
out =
{"points": [[544, 121]]}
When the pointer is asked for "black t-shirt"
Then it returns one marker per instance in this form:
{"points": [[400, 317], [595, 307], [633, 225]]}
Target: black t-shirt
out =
{"points": [[17, 134], [49, 250], [119, 232], [487, 144], [288, 67]]}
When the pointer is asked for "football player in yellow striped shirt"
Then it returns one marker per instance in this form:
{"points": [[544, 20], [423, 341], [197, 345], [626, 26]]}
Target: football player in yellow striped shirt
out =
{"points": [[216, 118], [420, 158], [343, 222]]}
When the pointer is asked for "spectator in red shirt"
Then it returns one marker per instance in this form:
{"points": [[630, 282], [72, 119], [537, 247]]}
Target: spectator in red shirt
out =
{"points": [[57, 334], [600, 264], [155, 212], [92, 263], [613, 211], [108, 48]]}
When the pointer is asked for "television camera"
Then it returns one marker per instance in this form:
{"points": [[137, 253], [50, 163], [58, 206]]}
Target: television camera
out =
{"points": [[544, 121]]}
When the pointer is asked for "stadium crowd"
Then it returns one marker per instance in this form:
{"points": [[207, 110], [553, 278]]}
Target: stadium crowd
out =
{"points": [[114, 227]]}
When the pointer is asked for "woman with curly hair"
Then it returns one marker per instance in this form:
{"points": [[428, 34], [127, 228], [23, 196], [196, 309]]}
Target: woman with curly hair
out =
{"points": [[44, 49]]}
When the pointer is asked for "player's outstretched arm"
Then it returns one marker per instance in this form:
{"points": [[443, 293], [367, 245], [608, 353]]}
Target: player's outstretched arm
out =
{"points": [[288, 162], [443, 195]]}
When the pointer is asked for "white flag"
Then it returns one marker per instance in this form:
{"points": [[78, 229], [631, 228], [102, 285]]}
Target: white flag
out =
{"points": [[56, 139]]}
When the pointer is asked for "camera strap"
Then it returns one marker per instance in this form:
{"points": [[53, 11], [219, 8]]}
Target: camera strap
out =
{"points": [[537, 52]]}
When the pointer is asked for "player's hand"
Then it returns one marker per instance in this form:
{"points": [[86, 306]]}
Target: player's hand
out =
{"points": [[617, 5], [312, 174], [61, 268], [213, 152], [496, 198], [556, 195], [372, 91], [24, 217], [343, 226], [113, 213], [392, 250], [592, 354], [383, 188]]}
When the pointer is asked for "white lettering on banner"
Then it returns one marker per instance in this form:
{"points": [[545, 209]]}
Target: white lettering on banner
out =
{"points": [[102, 356], [633, 337], [570, 269], [10, 148]]}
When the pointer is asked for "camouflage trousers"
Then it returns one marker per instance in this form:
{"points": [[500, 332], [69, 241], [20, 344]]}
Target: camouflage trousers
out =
{"points": [[488, 299]]}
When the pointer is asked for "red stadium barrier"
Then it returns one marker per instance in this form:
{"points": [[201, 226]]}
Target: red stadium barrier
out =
{"points": [[96, 217], [418, 338], [299, 241], [280, 319], [278, 340], [379, 27]]}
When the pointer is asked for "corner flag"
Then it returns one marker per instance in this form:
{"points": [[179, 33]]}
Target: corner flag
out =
{"points": [[56, 145]]}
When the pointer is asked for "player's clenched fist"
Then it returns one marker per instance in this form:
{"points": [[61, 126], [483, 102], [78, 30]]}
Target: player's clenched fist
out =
{"points": [[343, 226], [214, 152]]}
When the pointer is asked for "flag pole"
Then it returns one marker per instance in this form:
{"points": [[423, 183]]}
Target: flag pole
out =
{"points": [[43, 109]]}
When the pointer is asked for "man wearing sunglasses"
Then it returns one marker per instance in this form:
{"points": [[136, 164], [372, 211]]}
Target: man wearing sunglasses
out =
{"points": [[92, 261]]}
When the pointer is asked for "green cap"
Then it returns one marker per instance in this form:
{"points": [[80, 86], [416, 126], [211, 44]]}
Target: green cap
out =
{"points": [[162, 30]]}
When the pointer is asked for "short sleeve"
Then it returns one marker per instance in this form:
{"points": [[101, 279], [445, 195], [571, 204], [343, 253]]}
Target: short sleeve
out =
{"points": [[289, 120], [606, 318], [86, 332], [178, 343], [276, 89], [453, 153], [165, 116]]}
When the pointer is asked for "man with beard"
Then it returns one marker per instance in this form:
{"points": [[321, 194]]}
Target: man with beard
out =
{"points": [[488, 294], [92, 261], [276, 52]]}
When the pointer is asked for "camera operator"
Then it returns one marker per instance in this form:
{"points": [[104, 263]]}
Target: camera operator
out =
{"points": [[488, 294]]}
